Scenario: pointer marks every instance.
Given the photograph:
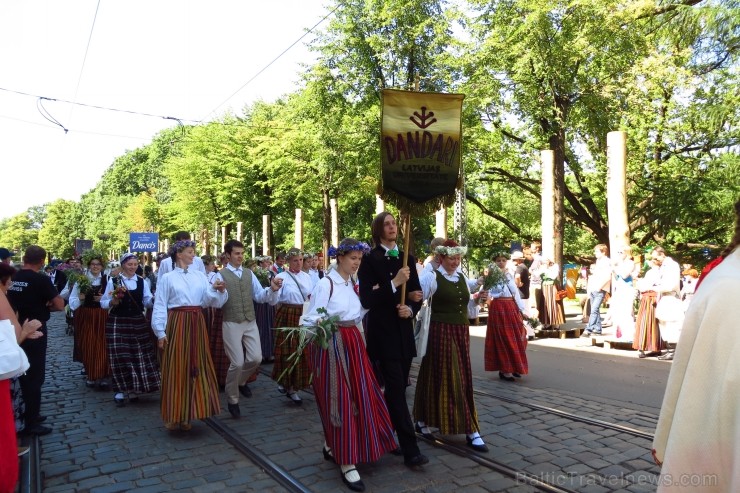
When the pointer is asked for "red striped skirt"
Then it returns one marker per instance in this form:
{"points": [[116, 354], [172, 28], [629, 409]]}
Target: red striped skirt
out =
{"points": [[214, 327], [131, 353], [361, 430], [189, 387], [8, 447], [647, 331], [506, 338], [89, 325], [300, 376], [444, 387]]}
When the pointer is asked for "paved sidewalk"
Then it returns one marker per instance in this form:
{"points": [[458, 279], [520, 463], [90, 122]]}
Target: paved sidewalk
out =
{"points": [[98, 447]]}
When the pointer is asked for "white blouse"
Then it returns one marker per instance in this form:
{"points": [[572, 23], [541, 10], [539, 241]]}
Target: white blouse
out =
{"points": [[508, 290], [344, 301], [130, 283], [428, 280], [178, 288], [289, 292], [74, 298]]}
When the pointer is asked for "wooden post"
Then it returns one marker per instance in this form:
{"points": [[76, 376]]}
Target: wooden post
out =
{"points": [[266, 237], [616, 189], [298, 242], [440, 229], [254, 245], [239, 231], [215, 241], [406, 241], [334, 222], [223, 238], [548, 203]]}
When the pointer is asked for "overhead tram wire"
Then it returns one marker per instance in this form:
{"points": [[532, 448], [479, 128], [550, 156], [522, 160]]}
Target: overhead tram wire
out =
{"points": [[84, 59], [339, 4]]}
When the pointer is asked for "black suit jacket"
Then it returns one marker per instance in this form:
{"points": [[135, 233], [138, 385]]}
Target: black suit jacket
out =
{"points": [[388, 336]]}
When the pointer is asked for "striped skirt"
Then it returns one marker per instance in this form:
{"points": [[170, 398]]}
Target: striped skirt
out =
{"points": [[551, 314], [133, 361], [647, 331], [89, 326], [506, 338], [265, 314], [356, 423], [444, 387], [300, 376], [214, 318], [189, 387]]}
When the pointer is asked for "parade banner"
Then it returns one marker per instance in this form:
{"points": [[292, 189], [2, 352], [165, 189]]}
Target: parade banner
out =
{"points": [[421, 144], [81, 246], [143, 242]]}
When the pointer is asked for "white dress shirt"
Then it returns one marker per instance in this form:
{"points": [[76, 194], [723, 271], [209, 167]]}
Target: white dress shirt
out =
{"points": [[508, 290], [344, 301], [259, 294], [165, 266], [179, 288], [130, 284], [289, 292]]}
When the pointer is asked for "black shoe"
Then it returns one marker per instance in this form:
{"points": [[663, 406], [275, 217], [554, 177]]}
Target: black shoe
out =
{"points": [[397, 452], [293, 396], [245, 390], [504, 377], [643, 354], [517, 375], [37, 429], [120, 401], [479, 448], [104, 386], [235, 411], [428, 436], [354, 486], [417, 460], [39, 419], [327, 455]]}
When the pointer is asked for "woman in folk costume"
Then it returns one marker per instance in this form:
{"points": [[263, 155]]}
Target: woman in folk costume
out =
{"points": [[89, 321], [647, 333], [214, 327], [133, 362], [296, 289], [265, 312], [189, 387], [552, 314], [353, 413], [697, 439], [621, 304], [444, 387], [506, 337]]}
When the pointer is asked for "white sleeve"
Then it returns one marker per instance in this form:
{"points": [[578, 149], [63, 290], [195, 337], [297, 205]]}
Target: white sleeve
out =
{"points": [[74, 298], [105, 300], [319, 299], [159, 315], [428, 281], [147, 299], [260, 294]]}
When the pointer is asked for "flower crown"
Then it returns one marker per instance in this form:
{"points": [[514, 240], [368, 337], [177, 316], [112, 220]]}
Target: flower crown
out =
{"points": [[343, 249], [178, 246], [450, 250]]}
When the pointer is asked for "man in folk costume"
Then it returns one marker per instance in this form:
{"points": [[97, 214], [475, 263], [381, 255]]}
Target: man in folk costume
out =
{"points": [[697, 440], [241, 334], [390, 333]]}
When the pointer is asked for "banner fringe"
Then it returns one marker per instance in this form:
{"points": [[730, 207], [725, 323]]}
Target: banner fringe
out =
{"points": [[405, 205]]}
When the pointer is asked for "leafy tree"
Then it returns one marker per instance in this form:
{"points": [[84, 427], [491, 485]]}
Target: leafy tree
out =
{"points": [[60, 228], [19, 232]]}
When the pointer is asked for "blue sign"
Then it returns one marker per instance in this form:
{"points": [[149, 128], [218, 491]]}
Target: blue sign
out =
{"points": [[143, 242]]}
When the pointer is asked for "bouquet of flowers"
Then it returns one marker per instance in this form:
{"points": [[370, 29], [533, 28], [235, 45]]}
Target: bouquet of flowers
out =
{"points": [[119, 292], [495, 277], [320, 335], [263, 276], [83, 284], [533, 322]]}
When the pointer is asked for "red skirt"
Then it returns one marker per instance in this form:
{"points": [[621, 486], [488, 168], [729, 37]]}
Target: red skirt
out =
{"points": [[299, 377], [89, 325], [8, 442], [506, 338], [361, 430], [214, 326]]}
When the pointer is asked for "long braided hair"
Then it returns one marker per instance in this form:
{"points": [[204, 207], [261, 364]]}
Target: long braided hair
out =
{"points": [[735, 242]]}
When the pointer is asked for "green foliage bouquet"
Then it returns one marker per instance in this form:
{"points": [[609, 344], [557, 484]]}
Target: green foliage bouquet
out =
{"points": [[495, 277], [263, 276], [319, 334]]}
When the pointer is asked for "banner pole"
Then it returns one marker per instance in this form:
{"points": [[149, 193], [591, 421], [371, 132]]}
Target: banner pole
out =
{"points": [[406, 238]]}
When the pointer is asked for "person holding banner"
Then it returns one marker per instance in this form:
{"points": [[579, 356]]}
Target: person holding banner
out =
{"points": [[444, 388], [390, 331]]}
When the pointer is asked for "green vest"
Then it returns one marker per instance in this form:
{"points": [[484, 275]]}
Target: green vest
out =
{"points": [[240, 306], [450, 301]]}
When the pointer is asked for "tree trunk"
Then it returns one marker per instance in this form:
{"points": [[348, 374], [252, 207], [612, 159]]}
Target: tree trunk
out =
{"points": [[326, 236], [557, 144]]}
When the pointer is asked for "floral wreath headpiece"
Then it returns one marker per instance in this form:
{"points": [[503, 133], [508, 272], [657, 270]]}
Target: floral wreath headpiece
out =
{"points": [[343, 249], [451, 250], [179, 246], [293, 252]]}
